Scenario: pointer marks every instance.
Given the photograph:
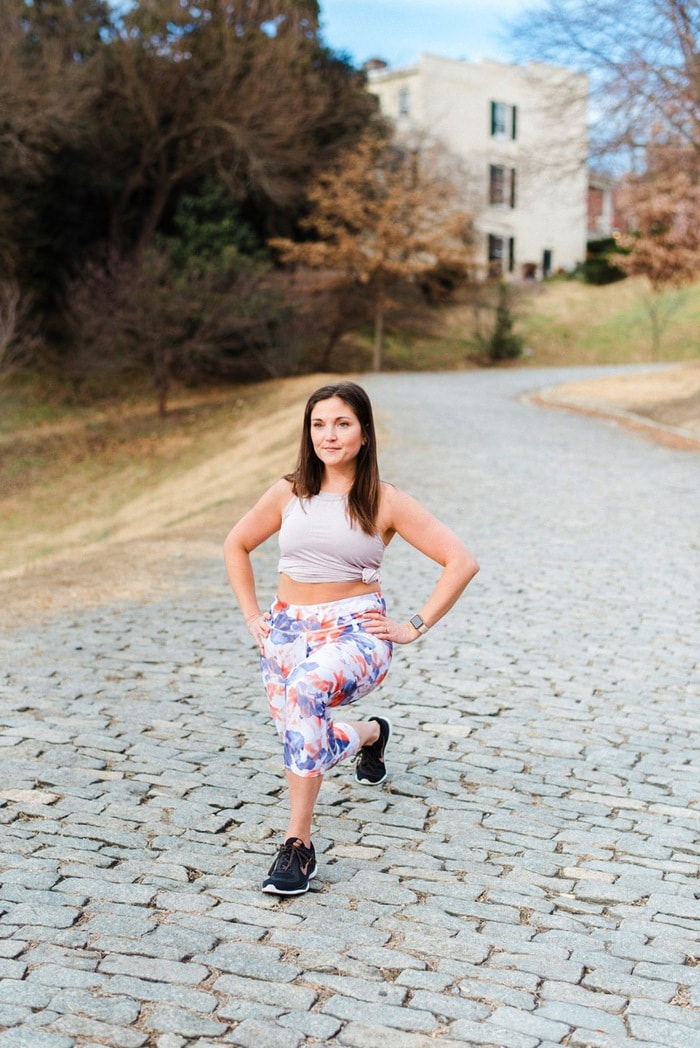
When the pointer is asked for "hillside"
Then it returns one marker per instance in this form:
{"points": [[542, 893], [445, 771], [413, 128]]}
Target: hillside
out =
{"points": [[118, 501]]}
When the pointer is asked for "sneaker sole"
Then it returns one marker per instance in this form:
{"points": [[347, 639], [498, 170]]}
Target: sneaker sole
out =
{"points": [[271, 889], [370, 782]]}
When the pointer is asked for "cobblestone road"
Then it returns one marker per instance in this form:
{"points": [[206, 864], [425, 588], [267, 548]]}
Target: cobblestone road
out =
{"points": [[527, 877]]}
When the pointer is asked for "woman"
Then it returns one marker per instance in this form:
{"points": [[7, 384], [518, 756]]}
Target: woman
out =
{"points": [[327, 639]]}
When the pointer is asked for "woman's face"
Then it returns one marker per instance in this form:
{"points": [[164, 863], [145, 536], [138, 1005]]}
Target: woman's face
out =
{"points": [[336, 433]]}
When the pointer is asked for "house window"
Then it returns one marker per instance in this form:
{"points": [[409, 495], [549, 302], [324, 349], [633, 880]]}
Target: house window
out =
{"points": [[501, 255], [404, 101], [504, 120], [501, 185]]}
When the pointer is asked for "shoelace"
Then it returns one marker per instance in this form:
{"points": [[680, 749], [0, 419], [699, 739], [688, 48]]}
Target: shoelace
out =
{"points": [[286, 856], [370, 759]]}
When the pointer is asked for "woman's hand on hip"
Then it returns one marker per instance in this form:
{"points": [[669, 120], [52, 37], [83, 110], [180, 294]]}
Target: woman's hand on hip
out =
{"points": [[259, 628], [386, 629]]}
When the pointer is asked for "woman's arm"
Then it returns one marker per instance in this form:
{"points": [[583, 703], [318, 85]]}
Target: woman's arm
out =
{"points": [[259, 523], [405, 516]]}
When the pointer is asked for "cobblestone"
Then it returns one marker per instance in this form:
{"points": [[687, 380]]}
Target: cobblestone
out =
{"points": [[526, 877]]}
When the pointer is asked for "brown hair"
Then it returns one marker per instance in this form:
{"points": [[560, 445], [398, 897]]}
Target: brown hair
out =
{"points": [[363, 499]]}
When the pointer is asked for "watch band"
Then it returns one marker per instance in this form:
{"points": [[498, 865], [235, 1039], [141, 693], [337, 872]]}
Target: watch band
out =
{"points": [[418, 624]]}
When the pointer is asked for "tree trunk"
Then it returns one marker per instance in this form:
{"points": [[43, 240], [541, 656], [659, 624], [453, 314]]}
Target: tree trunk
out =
{"points": [[162, 375], [379, 307], [655, 318], [336, 330], [154, 213]]}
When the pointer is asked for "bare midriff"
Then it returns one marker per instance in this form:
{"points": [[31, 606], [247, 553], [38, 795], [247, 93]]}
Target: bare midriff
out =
{"points": [[292, 592]]}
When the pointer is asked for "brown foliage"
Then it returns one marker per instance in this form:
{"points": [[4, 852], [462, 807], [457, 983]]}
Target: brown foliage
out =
{"points": [[379, 214], [664, 213], [665, 247]]}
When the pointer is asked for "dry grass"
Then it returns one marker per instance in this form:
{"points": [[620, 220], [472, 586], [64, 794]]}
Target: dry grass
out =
{"points": [[571, 323], [112, 496], [562, 322]]}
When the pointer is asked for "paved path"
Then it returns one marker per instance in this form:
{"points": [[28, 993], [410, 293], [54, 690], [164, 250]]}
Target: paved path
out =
{"points": [[527, 877]]}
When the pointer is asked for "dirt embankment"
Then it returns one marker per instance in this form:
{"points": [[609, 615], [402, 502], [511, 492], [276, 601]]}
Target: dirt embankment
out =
{"points": [[665, 403]]}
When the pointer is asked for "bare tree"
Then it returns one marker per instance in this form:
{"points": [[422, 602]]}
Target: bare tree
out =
{"points": [[236, 88], [18, 339], [46, 51], [44, 97], [141, 315], [642, 57]]}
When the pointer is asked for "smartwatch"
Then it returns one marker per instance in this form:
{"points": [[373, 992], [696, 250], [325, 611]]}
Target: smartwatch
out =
{"points": [[418, 624]]}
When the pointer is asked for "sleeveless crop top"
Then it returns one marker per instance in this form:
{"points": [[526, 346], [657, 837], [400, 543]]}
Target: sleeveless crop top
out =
{"points": [[319, 544]]}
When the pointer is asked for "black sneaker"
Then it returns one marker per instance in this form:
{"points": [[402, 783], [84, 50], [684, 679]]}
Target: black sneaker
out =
{"points": [[371, 769], [292, 869]]}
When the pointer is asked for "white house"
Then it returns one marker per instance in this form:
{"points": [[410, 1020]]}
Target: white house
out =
{"points": [[519, 133]]}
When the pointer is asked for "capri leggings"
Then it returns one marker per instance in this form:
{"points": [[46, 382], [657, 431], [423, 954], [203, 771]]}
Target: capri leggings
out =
{"points": [[316, 658]]}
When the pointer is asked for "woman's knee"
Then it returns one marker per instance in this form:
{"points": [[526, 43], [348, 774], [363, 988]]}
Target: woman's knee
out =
{"points": [[337, 671]]}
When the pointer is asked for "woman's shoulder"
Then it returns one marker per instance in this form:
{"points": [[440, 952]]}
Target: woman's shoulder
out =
{"points": [[390, 500], [394, 501], [279, 494], [389, 492], [284, 489]]}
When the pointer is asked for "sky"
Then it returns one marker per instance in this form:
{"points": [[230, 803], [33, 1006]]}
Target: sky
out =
{"points": [[399, 30]]}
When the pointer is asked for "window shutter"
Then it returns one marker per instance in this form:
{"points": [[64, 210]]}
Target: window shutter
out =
{"points": [[514, 123], [493, 118]]}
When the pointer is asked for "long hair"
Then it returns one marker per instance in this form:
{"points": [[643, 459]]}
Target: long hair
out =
{"points": [[363, 499]]}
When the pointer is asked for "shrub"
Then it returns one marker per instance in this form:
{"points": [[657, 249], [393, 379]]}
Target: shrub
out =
{"points": [[599, 268]]}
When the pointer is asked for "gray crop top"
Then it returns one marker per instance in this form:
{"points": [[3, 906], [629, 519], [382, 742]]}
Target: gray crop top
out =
{"points": [[318, 543]]}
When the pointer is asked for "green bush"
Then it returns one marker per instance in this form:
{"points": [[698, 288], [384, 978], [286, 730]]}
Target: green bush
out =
{"points": [[598, 268]]}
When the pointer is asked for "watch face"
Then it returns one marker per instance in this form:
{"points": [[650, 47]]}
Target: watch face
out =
{"points": [[417, 622]]}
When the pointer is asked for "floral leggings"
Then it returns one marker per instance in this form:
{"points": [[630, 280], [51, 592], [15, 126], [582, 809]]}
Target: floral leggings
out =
{"points": [[318, 657]]}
